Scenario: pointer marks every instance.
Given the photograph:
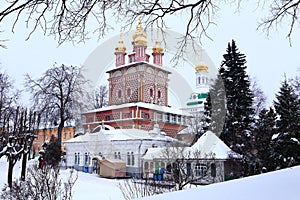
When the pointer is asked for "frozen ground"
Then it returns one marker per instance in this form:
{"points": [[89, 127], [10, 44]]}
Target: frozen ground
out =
{"points": [[283, 184]]}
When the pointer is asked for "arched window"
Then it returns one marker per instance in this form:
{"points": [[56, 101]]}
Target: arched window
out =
{"points": [[119, 155], [128, 92], [119, 93], [199, 80], [151, 92], [158, 93], [78, 158]]}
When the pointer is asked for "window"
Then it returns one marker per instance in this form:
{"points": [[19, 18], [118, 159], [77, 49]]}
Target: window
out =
{"points": [[146, 166], [70, 135], [128, 158], [173, 118], [119, 155], [78, 159], [200, 170], [213, 170], [119, 93], [169, 167], [159, 117], [75, 160], [128, 92], [86, 159], [116, 157], [65, 135], [151, 92], [159, 94], [132, 158], [188, 169]]}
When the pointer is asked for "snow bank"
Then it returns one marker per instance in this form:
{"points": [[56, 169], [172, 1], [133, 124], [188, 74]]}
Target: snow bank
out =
{"points": [[278, 185]]}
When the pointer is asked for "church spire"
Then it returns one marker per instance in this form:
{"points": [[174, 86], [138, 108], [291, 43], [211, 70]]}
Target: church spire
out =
{"points": [[139, 44], [120, 52], [201, 72], [157, 52]]}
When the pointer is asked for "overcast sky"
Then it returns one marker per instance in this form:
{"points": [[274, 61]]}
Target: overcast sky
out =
{"points": [[268, 58]]}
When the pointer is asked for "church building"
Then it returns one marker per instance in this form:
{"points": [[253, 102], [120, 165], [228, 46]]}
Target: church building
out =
{"points": [[138, 91]]}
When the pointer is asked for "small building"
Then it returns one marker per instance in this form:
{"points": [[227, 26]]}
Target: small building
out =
{"points": [[112, 168], [209, 160], [106, 142]]}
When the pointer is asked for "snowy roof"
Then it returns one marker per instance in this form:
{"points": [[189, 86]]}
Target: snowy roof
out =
{"points": [[159, 108], [207, 146], [122, 134], [210, 145]]}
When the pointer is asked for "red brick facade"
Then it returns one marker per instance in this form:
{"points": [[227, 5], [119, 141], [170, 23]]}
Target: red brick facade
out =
{"points": [[134, 87]]}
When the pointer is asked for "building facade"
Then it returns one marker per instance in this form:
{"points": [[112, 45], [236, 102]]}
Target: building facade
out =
{"points": [[138, 91]]}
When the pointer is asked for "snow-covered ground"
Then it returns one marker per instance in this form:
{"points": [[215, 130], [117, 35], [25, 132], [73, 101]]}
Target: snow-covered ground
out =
{"points": [[283, 184]]}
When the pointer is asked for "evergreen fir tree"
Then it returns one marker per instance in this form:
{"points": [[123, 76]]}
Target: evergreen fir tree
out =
{"points": [[215, 108], [286, 146], [237, 131], [265, 128]]}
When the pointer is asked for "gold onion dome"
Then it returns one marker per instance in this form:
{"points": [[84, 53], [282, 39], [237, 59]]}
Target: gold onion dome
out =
{"points": [[139, 37], [157, 48], [201, 68], [120, 48]]}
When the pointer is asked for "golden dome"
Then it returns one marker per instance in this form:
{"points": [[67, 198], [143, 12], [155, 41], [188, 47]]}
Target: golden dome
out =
{"points": [[201, 68], [157, 48], [139, 37], [120, 48]]}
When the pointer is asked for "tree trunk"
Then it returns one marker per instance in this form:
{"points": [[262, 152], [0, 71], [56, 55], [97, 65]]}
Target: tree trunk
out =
{"points": [[24, 162], [10, 172], [59, 133]]}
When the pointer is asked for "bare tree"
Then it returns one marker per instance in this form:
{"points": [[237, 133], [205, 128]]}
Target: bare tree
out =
{"points": [[42, 183], [282, 12], [59, 95], [17, 140], [259, 100], [101, 96], [70, 20]]}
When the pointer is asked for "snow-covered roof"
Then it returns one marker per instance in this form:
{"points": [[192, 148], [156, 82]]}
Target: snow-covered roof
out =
{"points": [[211, 145], [208, 146], [122, 135], [159, 108]]}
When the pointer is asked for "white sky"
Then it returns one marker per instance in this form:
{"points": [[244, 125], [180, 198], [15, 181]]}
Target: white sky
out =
{"points": [[268, 58]]}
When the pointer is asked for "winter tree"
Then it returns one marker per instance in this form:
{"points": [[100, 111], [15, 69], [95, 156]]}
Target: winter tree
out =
{"points": [[101, 96], [265, 128], [237, 131], [259, 100], [215, 107], [286, 146], [59, 95]]}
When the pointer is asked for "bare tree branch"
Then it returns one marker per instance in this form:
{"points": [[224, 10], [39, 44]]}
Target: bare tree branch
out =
{"points": [[281, 12]]}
